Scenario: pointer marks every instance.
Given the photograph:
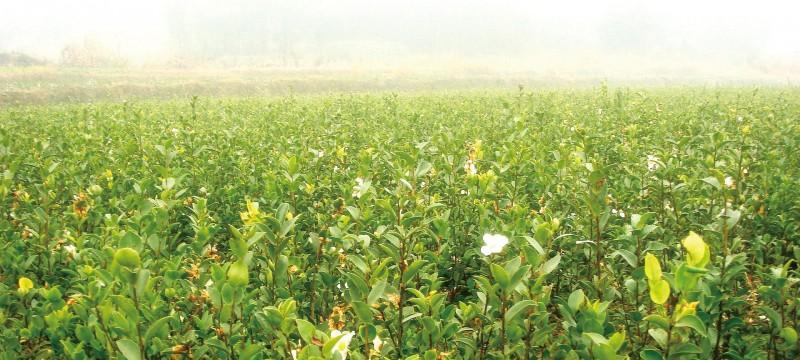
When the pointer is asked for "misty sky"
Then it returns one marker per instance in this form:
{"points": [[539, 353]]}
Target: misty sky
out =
{"points": [[569, 32]]}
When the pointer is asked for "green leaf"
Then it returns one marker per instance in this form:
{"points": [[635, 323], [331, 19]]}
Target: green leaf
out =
{"points": [[250, 351], [429, 324], [237, 243], [650, 354], [541, 235], [535, 244], [288, 225], [604, 352], [659, 335], [596, 338], [684, 348], [501, 276], [616, 340], [576, 299], [522, 272], [306, 330], [685, 280], [692, 321], [422, 168], [328, 347], [412, 270], [517, 308], [712, 181], [774, 317], [129, 349], [376, 292], [363, 311], [357, 286], [158, 328], [657, 320], [629, 257], [141, 281], [430, 355], [551, 264], [659, 291]]}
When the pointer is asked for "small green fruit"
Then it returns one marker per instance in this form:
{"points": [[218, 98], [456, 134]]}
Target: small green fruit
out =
{"points": [[237, 274], [127, 257], [95, 190]]}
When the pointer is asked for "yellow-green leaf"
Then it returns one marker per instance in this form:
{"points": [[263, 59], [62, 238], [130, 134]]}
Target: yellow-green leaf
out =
{"points": [[696, 249], [25, 285], [652, 268], [659, 291]]}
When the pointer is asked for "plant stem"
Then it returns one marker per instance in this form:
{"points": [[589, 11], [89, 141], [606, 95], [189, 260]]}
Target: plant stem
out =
{"points": [[112, 344], [725, 234], [503, 324], [598, 248], [401, 287], [138, 330], [669, 339]]}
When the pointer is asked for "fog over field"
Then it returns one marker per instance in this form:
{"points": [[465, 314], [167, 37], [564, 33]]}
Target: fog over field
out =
{"points": [[617, 39]]}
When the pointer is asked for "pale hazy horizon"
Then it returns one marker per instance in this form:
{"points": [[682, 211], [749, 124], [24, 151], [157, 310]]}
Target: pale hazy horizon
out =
{"points": [[599, 38]]}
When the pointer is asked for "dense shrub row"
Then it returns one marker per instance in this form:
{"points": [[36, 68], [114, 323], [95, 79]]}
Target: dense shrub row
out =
{"points": [[567, 224]]}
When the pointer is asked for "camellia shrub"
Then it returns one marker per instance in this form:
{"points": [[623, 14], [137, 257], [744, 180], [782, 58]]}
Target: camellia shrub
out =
{"points": [[659, 224]]}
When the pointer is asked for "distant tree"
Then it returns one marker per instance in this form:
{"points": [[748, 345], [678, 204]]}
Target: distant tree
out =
{"points": [[19, 59]]}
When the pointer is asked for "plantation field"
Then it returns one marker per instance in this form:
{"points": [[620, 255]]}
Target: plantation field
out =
{"points": [[571, 224]]}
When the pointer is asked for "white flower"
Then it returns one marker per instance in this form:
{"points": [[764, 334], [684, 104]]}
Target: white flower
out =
{"points": [[360, 188], [470, 167], [619, 212], [175, 131], [71, 250], [652, 162], [377, 343], [464, 192], [494, 243], [343, 343], [729, 183]]}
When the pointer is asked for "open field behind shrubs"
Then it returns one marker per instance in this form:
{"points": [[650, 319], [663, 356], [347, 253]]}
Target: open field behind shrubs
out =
{"points": [[601, 223]]}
